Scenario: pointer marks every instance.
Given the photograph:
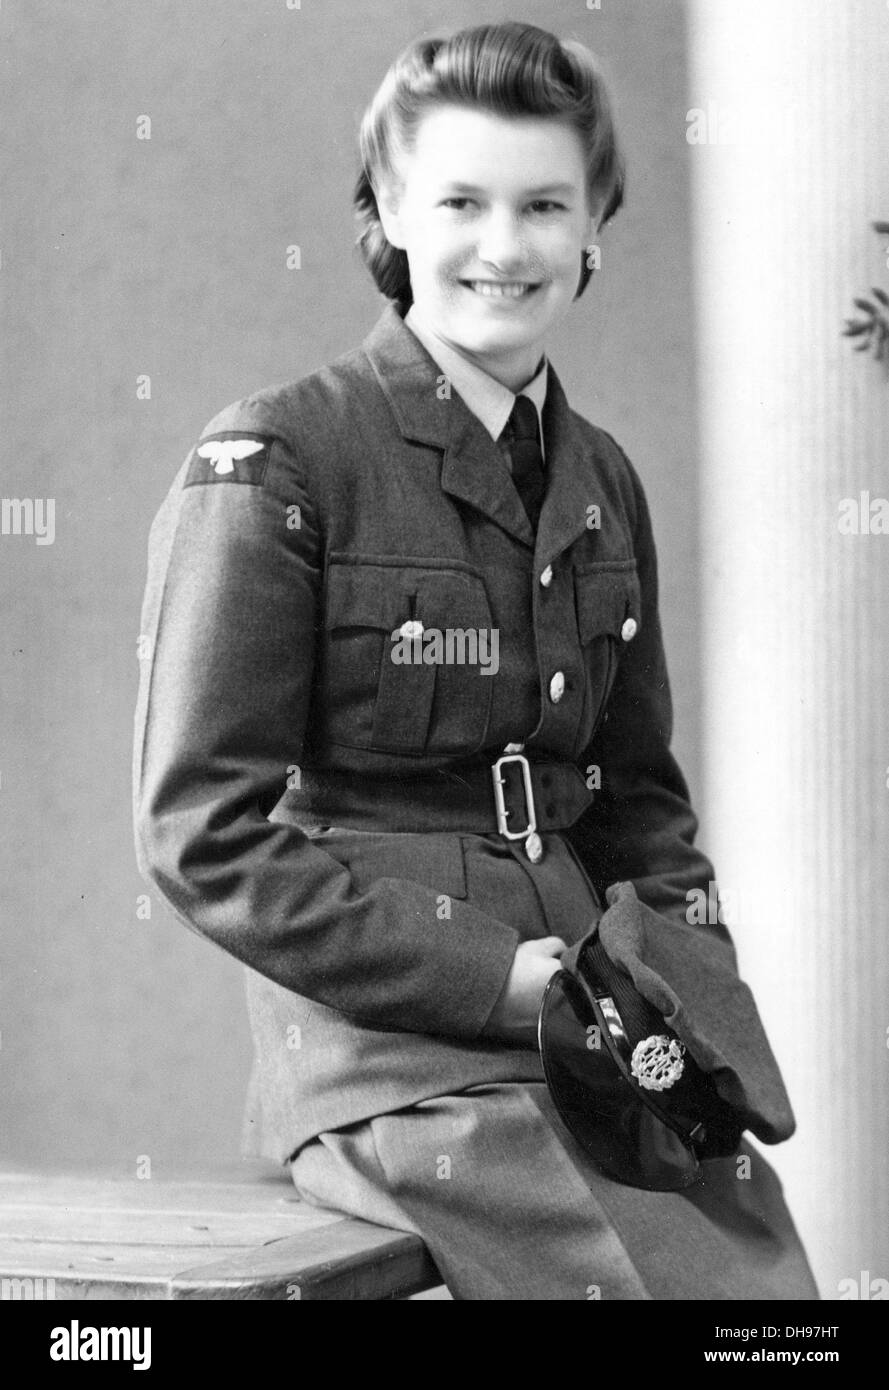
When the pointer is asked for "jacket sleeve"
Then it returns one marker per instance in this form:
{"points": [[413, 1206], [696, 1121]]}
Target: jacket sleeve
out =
{"points": [[636, 842], [227, 638]]}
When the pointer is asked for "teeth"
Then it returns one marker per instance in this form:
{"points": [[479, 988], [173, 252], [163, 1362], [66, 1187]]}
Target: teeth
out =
{"points": [[505, 291]]}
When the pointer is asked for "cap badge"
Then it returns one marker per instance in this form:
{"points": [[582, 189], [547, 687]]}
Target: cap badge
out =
{"points": [[657, 1062]]}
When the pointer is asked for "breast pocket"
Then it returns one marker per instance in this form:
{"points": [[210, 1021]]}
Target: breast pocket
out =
{"points": [[407, 648], [609, 617]]}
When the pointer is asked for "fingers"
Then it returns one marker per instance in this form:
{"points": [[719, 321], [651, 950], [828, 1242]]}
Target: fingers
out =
{"points": [[547, 946]]}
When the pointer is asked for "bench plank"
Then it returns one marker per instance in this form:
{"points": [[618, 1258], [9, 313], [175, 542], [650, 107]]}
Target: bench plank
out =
{"points": [[159, 1239], [350, 1260], [273, 1192], [121, 1226]]}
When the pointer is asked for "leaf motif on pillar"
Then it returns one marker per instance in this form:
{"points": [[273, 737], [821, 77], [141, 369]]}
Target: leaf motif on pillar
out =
{"points": [[873, 328]]}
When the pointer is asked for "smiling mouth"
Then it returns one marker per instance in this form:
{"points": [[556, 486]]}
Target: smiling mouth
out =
{"points": [[501, 289]]}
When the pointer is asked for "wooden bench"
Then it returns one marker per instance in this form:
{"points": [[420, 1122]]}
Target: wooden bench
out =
{"points": [[242, 1233]]}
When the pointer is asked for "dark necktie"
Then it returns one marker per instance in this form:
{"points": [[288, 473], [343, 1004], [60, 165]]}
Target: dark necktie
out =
{"points": [[523, 438]]}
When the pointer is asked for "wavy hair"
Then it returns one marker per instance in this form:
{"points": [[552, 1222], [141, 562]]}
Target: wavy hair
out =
{"points": [[508, 69]]}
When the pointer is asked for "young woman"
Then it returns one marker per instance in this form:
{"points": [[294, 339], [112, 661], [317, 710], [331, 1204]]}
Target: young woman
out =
{"points": [[365, 589]]}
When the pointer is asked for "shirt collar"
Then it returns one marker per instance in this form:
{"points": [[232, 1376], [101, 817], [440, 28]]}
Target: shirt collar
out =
{"points": [[488, 399]]}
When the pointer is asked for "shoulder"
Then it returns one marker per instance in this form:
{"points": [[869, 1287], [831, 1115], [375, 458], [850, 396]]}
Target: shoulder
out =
{"points": [[292, 433], [301, 412]]}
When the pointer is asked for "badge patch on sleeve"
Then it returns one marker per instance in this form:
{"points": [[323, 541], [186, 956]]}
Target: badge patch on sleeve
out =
{"points": [[230, 457]]}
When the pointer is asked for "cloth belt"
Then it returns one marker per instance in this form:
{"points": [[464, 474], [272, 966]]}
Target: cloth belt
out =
{"points": [[446, 799]]}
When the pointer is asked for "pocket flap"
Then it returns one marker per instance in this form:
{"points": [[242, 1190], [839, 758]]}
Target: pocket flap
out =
{"points": [[606, 598], [385, 596], [432, 858]]}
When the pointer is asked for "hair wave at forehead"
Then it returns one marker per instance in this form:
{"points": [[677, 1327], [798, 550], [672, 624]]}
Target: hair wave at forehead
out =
{"points": [[508, 69]]}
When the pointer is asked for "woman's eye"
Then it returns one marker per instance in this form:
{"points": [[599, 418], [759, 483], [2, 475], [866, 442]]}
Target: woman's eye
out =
{"points": [[547, 205], [458, 204]]}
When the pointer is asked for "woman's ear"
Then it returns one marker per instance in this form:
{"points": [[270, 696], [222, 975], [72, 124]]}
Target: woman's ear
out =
{"points": [[389, 206]]}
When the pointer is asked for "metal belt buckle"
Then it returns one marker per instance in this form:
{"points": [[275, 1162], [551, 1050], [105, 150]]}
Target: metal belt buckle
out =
{"points": [[533, 843]]}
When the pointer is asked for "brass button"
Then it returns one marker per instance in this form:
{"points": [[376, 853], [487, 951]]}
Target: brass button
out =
{"points": [[629, 629], [546, 577], [534, 847], [557, 687], [412, 628]]}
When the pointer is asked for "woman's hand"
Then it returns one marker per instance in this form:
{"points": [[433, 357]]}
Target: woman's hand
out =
{"points": [[514, 1016]]}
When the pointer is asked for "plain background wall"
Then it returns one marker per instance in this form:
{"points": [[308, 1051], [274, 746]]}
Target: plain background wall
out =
{"points": [[120, 257]]}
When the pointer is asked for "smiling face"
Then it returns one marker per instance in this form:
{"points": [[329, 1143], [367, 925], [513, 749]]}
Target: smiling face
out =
{"points": [[493, 215]]}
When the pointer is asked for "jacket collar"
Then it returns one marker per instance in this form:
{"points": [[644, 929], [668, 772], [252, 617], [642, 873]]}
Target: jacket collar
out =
{"points": [[474, 469], [486, 397]]}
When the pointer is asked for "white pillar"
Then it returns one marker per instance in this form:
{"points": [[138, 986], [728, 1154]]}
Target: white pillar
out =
{"points": [[796, 614]]}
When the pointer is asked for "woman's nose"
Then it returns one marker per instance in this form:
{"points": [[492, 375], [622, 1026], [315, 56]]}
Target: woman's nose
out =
{"points": [[500, 243]]}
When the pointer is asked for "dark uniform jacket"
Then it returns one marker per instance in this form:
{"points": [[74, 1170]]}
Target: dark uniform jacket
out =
{"points": [[326, 814]]}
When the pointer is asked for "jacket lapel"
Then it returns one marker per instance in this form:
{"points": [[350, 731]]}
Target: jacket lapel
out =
{"points": [[474, 469], [571, 477]]}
